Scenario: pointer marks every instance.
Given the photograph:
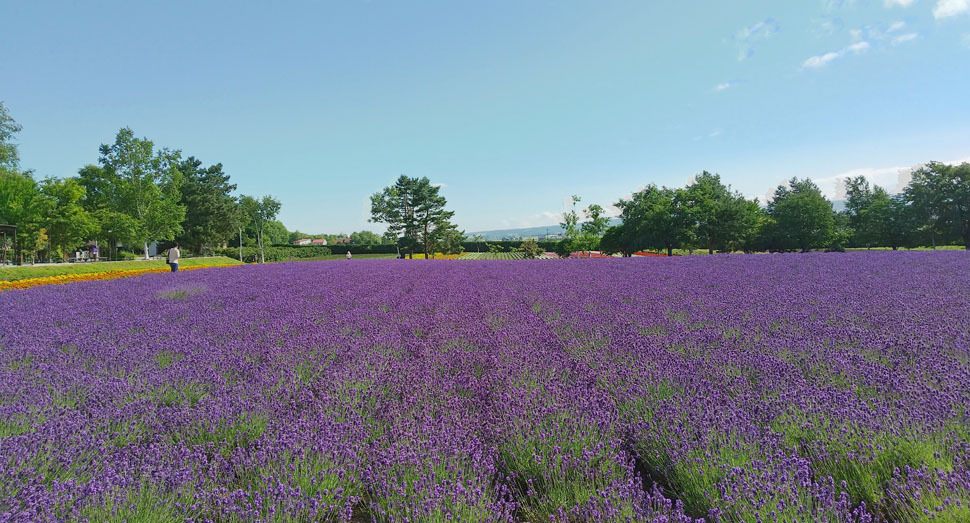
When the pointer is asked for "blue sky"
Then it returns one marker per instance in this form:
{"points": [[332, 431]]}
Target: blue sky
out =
{"points": [[511, 106]]}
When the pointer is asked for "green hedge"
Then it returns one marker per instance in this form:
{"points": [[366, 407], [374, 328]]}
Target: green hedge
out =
{"points": [[507, 246], [343, 248], [276, 253], [363, 249], [281, 252]]}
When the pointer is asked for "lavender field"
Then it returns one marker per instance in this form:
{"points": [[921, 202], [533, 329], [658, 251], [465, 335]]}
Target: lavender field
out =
{"points": [[817, 387]]}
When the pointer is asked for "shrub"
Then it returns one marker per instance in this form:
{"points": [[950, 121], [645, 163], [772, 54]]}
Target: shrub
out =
{"points": [[531, 249], [564, 248]]}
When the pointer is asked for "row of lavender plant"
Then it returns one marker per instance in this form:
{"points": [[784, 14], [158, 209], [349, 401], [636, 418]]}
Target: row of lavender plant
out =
{"points": [[771, 388]]}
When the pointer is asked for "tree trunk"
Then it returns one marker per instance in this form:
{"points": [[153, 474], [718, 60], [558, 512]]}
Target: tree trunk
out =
{"points": [[145, 244], [425, 241], [262, 256], [710, 245], [670, 251]]}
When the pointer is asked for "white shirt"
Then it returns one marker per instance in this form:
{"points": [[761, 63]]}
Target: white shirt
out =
{"points": [[173, 255]]}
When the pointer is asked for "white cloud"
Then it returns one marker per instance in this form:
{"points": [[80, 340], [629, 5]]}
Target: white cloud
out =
{"points": [[904, 38], [827, 26], [723, 86], [439, 185], [832, 5], [900, 3], [819, 61], [947, 8], [746, 37], [856, 34], [715, 133], [816, 62], [893, 179], [896, 26]]}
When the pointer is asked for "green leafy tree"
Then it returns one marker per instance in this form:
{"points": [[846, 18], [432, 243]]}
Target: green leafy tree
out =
{"points": [[101, 188], [901, 225], [888, 220], [9, 156], [876, 218], [530, 249], [858, 197], [618, 240], [564, 248], [494, 248], [940, 197], [593, 228], [395, 205], [864, 224], [212, 215], [141, 183], [432, 217], [102, 194], [656, 218], [23, 205], [721, 218], [841, 232], [21, 202], [68, 224], [447, 239], [413, 210], [275, 233], [365, 238], [803, 217], [743, 218], [260, 212], [759, 237], [703, 200], [571, 230]]}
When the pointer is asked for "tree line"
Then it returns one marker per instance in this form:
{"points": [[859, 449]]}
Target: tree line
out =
{"points": [[135, 195], [933, 209]]}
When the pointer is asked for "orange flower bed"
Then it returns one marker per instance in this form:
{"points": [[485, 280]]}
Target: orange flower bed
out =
{"points": [[88, 276], [437, 256]]}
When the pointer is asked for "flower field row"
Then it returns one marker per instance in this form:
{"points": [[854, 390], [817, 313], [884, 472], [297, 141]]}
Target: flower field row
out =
{"points": [[492, 256], [817, 387], [86, 276], [514, 255]]}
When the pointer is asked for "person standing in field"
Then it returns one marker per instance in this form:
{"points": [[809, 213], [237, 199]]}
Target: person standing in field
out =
{"points": [[173, 257], [348, 255]]}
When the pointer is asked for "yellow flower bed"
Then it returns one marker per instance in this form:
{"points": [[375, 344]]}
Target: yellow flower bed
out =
{"points": [[87, 276], [437, 256]]}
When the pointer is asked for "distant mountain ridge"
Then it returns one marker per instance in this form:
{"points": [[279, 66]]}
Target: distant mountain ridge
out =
{"points": [[526, 232], [546, 230]]}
